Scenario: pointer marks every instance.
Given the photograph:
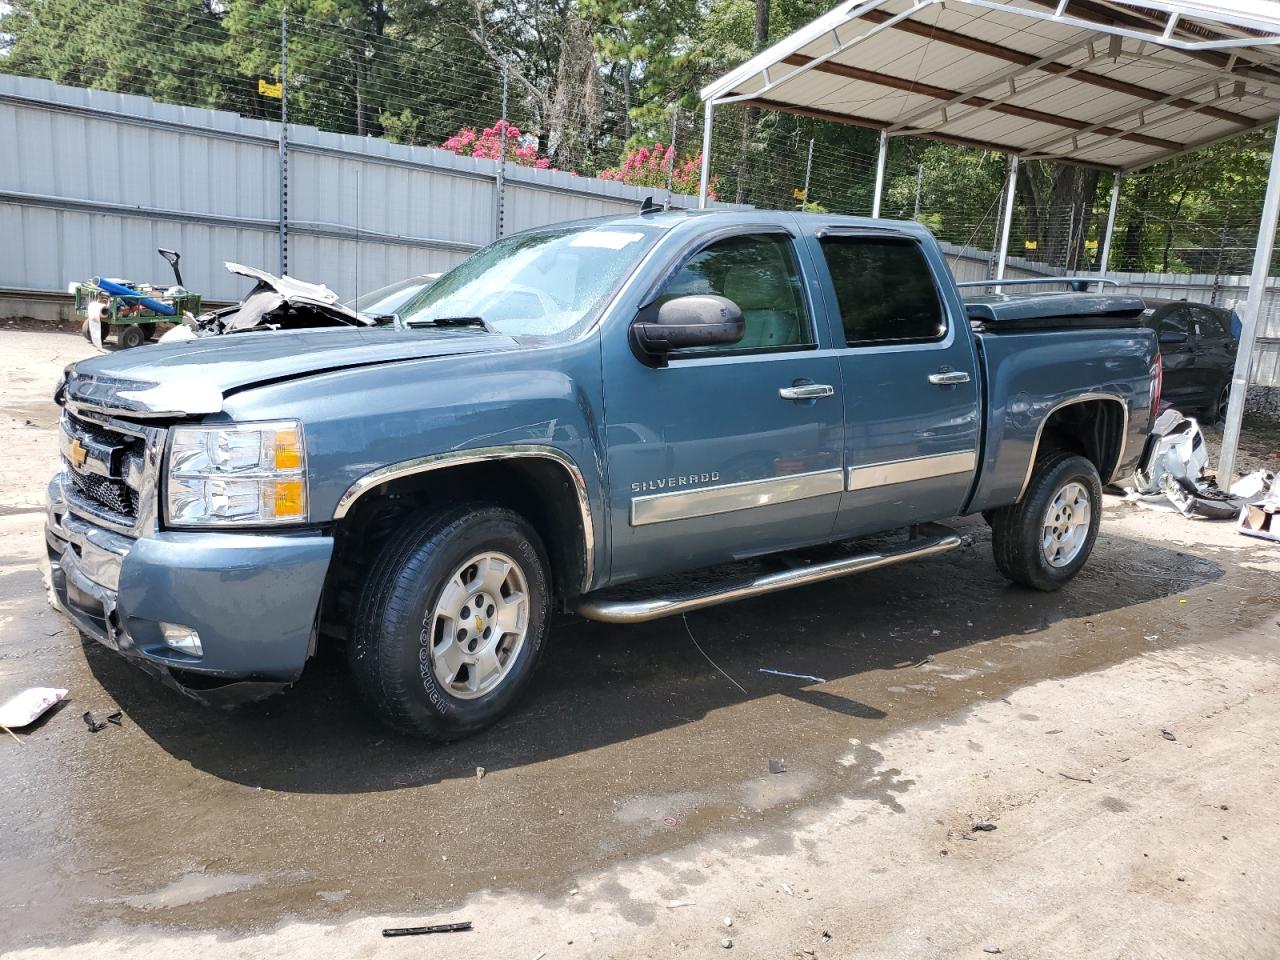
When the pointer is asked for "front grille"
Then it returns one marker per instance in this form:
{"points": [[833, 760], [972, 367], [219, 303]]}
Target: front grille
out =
{"points": [[105, 467], [115, 495]]}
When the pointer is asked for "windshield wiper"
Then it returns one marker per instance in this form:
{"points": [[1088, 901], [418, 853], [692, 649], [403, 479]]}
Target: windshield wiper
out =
{"points": [[453, 322]]}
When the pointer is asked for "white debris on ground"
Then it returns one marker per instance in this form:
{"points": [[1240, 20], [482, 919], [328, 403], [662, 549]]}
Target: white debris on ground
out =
{"points": [[1258, 517], [1172, 475]]}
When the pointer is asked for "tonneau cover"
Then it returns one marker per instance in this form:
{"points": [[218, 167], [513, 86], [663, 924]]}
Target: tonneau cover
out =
{"points": [[1054, 311]]}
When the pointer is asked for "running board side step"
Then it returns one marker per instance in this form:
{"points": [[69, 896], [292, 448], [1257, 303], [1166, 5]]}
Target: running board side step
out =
{"points": [[927, 540]]}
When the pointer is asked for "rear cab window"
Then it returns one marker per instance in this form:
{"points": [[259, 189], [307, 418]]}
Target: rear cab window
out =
{"points": [[885, 291]]}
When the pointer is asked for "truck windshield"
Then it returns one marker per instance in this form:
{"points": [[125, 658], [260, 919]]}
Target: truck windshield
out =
{"points": [[537, 283]]}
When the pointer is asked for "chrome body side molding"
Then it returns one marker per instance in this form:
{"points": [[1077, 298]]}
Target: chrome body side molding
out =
{"points": [[931, 539], [729, 497], [913, 468], [1081, 398], [455, 458]]}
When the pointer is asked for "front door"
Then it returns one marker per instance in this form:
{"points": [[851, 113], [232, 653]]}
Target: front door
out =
{"points": [[724, 453], [911, 383]]}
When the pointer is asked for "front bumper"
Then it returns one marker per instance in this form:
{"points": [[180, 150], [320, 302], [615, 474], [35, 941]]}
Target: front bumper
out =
{"points": [[253, 599]]}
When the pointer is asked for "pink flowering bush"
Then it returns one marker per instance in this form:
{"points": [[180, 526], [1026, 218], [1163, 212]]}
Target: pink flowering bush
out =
{"points": [[522, 148], [648, 167]]}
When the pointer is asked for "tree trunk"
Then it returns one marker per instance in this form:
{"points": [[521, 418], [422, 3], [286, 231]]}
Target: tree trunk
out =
{"points": [[1135, 227]]}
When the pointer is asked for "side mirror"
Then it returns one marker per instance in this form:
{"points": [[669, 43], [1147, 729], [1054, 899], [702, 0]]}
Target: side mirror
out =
{"points": [[1173, 337], [701, 320]]}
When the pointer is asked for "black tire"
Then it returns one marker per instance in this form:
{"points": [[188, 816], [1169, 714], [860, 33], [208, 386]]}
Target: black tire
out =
{"points": [[1218, 412], [390, 650], [1016, 530], [148, 330], [131, 335]]}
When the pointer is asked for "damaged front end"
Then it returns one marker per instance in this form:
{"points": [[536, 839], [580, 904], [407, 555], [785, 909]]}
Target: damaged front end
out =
{"points": [[275, 303]]}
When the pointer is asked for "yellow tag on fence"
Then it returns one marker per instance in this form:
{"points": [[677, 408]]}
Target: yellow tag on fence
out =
{"points": [[265, 89], [1030, 244]]}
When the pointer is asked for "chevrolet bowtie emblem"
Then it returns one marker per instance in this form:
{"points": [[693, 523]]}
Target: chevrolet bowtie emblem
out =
{"points": [[77, 453]]}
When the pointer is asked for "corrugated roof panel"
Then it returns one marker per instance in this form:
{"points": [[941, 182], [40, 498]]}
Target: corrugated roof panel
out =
{"points": [[971, 47]]}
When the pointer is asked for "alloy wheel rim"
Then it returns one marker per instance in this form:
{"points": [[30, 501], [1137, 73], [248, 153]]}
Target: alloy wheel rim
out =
{"points": [[1066, 524], [474, 634]]}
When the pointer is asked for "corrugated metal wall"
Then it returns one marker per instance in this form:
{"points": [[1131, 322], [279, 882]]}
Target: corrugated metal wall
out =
{"points": [[91, 183]]}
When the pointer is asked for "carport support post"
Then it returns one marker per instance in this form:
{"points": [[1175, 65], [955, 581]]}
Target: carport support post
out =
{"points": [[1105, 259], [1249, 322], [1009, 190], [704, 181], [880, 158]]}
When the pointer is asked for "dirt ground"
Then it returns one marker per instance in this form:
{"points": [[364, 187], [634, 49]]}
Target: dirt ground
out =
{"points": [[1119, 737]]}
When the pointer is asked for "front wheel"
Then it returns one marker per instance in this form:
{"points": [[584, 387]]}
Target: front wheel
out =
{"points": [[1046, 538], [451, 622]]}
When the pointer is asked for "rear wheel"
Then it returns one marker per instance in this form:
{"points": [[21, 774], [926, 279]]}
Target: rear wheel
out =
{"points": [[451, 622], [1218, 412], [132, 335], [1046, 538]]}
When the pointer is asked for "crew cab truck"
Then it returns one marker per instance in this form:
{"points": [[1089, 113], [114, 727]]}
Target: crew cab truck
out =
{"points": [[571, 419]]}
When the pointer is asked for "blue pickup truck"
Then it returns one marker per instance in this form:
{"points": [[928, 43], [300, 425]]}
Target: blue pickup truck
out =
{"points": [[572, 419]]}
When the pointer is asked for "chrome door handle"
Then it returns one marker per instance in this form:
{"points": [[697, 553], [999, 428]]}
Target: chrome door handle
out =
{"points": [[807, 391], [944, 379]]}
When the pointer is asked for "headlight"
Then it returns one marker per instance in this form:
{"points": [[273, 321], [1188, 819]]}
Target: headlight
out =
{"points": [[244, 474]]}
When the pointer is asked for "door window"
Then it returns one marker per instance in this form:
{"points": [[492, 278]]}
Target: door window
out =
{"points": [[759, 273], [1208, 326], [1176, 321], [885, 290]]}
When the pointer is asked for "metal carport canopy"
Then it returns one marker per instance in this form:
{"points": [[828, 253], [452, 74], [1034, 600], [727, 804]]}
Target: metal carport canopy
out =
{"points": [[1108, 84]]}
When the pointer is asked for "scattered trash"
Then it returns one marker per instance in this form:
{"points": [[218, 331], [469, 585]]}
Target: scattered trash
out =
{"points": [[117, 718], [1168, 736], [777, 766], [434, 928], [668, 821], [727, 943], [541, 955], [93, 725], [479, 773], [1076, 779], [1258, 515], [793, 676], [984, 827], [992, 950], [788, 890], [727, 921], [25, 708], [1173, 473], [674, 904], [825, 938]]}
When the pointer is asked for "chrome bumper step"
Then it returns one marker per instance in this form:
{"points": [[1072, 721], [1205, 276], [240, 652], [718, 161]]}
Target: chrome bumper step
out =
{"points": [[926, 540]]}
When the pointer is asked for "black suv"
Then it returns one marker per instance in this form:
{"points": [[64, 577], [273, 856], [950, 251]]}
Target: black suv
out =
{"points": [[1199, 353]]}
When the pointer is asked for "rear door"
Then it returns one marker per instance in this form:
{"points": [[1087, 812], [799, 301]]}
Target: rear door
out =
{"points": [[907, 361], [1172, 324], [1215, 353]]}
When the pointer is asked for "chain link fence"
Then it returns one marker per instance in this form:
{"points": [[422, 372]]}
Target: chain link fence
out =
{"points": [[456, 86]]}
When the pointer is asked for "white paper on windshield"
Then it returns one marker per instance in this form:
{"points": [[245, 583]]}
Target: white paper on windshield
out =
{"points": [[605, 239]]}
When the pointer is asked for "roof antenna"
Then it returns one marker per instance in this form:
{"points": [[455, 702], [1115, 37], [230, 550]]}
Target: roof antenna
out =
{"points": [[648, 206]]}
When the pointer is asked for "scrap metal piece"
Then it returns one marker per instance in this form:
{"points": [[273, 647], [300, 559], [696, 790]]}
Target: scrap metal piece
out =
{"points": [[434, 928], [275, 303]]}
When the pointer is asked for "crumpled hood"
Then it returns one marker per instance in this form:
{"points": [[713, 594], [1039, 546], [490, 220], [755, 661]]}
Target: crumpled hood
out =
{"points": [[193, 376]]}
